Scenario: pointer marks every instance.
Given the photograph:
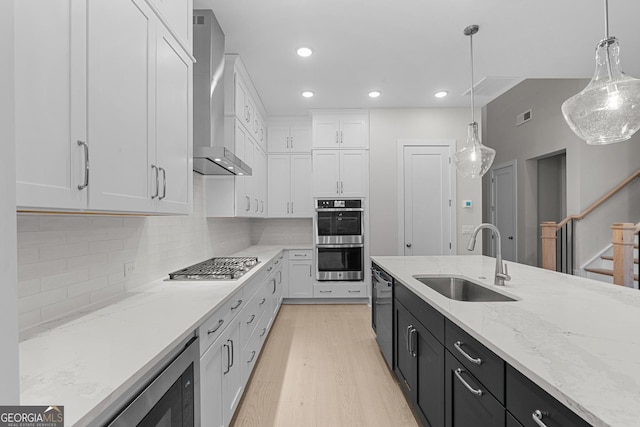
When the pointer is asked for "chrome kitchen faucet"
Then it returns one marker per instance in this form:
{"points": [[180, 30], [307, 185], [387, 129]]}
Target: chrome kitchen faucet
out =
{"points": [[501, 269]]}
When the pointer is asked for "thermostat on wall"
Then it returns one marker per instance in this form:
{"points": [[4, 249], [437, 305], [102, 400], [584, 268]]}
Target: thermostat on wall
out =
{"points": [[467, 204]]}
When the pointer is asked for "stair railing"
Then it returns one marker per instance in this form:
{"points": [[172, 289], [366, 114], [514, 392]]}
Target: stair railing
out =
{"points": [[624, 236], [558, 240]]}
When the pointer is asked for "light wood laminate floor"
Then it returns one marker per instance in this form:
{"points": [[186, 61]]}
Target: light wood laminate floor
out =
{"points": [[321, 366]]}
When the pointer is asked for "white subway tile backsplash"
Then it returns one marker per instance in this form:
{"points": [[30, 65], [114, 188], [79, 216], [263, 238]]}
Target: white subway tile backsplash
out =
{"points": [[38, 270], [86, 261], [32, 302], [105, 246], [108, 292], [28, 255], [29, 287], [87, 287], [65, 306], [63, 280], [64, 222], [64, 251], [29, 318], [33, 239], [28, 223], [74, 236]]}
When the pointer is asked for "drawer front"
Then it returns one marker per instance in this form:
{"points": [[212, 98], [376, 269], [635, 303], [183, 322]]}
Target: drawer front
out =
{"points": [[304, 254], [340, 290], [485, 365], [252, 314], [251, 352], [216, 324], [430, 318], [524, 399]]}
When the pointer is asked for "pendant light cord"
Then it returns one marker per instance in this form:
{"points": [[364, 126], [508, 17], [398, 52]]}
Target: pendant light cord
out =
{"points": [[472, 96], [606, 19]]}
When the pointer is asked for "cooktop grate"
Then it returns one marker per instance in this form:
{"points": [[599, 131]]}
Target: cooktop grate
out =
{"points": [[218, 268]]}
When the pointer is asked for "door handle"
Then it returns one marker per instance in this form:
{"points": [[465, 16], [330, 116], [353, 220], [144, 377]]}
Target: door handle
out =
{"points": [[228, 358], [408, 245], [85, 184], [164, 184], [154, 167], [341, 187], [510, 237]]}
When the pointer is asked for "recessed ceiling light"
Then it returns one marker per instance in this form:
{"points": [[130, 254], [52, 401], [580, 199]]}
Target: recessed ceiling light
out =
{"points": [[374, 94], [441, 94], [307, 94], [304, 51], [216, 159]]}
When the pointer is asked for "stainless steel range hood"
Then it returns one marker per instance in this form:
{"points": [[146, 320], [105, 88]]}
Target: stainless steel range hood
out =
{"points": [[210, 156]]}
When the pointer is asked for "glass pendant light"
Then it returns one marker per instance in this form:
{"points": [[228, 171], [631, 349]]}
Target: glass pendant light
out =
{"points": [[473, 160], [608, 109]]}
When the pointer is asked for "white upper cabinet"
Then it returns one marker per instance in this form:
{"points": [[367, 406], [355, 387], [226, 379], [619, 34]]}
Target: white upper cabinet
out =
{"points": [[177, 15], [340, 173], [50, 99], [289, 137], [290, 186], [113, 130], [340, 130]]}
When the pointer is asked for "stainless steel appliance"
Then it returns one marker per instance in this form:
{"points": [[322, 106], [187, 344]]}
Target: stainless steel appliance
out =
{"points": [[218, 268], [172, 399], [210, 157], [382, 311], [339, 229]]}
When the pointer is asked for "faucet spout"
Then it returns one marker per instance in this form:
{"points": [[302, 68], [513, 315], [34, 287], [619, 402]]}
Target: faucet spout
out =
{"points": [[501, 269]]}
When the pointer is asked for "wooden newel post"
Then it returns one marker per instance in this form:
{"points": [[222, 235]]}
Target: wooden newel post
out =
{"points": [[549, 245], [623, 239]]}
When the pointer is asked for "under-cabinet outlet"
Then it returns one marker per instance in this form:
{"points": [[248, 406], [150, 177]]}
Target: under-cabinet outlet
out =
{"points": [[129, 269]]}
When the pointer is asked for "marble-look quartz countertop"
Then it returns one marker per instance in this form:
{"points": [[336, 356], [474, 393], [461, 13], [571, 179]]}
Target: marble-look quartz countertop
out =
{"points": [[576, 338], [88, 360]]}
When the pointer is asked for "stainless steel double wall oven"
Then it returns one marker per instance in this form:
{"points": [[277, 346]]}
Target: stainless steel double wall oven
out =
{"points": [[339, 240]]}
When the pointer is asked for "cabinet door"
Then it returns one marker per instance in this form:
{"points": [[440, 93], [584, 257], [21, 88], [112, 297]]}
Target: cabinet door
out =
{"points": [[121, 88], [467, 402], [300, 139], [279, 185], [326, 132], [326, 173], [430, 377], [278, 139], [241, 107], [406, 367], [243, 199], [353, 132], [50, 103], [232, 374], [301, 194], [173, 130], [212, 364], [260, 181], [177, 14], [300, 279], [354, 167]]}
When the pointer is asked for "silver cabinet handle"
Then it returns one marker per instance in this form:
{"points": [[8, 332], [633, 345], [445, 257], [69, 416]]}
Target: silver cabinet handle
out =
{"points": [[458, 373], [232, 353], [287, 142], [253, 316], [341, 137], [279, 276], [411, 341], [253, 355], [262, 302], [261, 206], [337, 138], [537, 417], [326, 292], [458, 346], [304, 255], [85, 184], [264, 331], [337, 187], [310, 270], [228, 358], [341, 187], [164, 184], [237, 305], [248, 203], [274, 286], [212, 331], [270, 268], [257, 204], [408, 245], [291, 207], [407, 338], [292, 142], [154, 167], [354, 292]]}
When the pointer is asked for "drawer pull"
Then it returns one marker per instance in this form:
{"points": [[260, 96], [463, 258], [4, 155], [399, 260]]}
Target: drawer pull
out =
{"points": [[253, 355], [253, 316], [237, 305], [458, 346], [212, 331], [262, 302], [264, 331], [537, 417], [458, 373], [270, 268], [353, 292], [326, 292]]}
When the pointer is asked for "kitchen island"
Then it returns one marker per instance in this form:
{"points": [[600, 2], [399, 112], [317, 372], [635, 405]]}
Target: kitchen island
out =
{"points": [[575, 338]]}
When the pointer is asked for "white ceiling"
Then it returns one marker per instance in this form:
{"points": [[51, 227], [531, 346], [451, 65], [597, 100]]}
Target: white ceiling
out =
{"points": [[409, 49]]}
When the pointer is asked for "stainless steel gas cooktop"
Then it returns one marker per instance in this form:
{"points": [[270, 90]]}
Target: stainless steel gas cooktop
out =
{"points": [[219, 268]]}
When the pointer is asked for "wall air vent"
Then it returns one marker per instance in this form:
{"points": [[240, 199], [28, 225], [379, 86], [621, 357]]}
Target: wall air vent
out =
{"points": [[198, 20], [523, 117]]}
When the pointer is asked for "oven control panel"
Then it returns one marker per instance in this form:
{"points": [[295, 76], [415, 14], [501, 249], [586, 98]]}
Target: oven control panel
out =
{"points": [[333, 204]]}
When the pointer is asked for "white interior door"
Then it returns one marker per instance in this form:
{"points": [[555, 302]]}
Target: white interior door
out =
{"points": [[427, 200], [503, 207]]}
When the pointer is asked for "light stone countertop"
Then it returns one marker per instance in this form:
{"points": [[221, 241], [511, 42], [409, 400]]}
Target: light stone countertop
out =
{"points": [[576, 338], [87, 360]]}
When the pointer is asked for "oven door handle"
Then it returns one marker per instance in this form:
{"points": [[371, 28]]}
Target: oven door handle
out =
{"points": [[345, 246], [340, 210]]}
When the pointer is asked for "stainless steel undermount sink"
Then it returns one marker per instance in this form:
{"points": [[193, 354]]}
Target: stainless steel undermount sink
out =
{"points": [[461, 289]]}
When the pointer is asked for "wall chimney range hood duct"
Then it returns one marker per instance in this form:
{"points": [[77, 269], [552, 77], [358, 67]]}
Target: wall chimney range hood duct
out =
{"points": [[210, 156]]}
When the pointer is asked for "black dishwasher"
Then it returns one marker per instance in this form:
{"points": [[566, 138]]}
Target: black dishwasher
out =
{"points": [[382, 311]]}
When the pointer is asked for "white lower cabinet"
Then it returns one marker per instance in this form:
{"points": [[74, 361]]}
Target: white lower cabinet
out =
{"points": [[340, 290], [300, 274]]}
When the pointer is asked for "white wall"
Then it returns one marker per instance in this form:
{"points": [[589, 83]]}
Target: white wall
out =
{"points": [[282, 231], [9, 385], [591, 170], [387, 126], [67, 262]]}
